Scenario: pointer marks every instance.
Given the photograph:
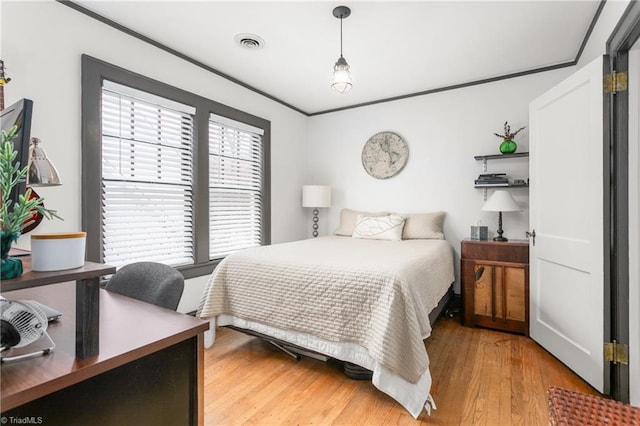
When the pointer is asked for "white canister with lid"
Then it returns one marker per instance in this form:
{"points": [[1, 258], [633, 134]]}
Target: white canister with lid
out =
{"points": [[55, 252]]}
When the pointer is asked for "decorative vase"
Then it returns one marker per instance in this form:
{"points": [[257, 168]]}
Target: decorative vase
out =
{"points": [[508, 146], [11, 266]]}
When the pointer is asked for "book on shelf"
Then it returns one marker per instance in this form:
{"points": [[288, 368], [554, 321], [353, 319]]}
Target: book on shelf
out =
{"points": [[491, 175], [491, 181], [483, 184], [499, 181]]}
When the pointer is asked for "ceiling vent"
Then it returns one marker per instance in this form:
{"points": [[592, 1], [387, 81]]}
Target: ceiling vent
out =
{"points": [[249, 41]]}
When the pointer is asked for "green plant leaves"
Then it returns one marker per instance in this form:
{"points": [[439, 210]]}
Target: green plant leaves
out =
{"points": [[14, 214]]}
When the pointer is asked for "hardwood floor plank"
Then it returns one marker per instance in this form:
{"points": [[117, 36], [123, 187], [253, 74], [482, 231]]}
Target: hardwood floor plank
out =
{"points": [[467, 395], [333, 405], [518, 407], [480, 377], [451, 367]]}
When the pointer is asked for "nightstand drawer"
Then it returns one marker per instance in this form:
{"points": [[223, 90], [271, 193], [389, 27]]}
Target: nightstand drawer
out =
{"points": [[516, 251]]}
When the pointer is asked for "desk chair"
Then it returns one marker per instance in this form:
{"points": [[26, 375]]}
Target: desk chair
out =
{"points": [[149, 282]]}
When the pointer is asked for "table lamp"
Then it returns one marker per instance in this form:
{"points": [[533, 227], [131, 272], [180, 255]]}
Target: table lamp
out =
{"points": [[316, 196], [501, 201]]}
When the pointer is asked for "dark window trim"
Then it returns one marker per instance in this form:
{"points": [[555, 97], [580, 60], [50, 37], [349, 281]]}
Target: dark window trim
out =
{"points": [[94, 71]]}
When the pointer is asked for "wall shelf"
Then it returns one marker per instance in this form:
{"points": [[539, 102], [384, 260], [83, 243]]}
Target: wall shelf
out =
{"points": [[485, 158], [498, 156], [501, 186]]}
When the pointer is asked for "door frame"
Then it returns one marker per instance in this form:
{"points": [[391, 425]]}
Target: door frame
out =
{"points": [[616, 198]]}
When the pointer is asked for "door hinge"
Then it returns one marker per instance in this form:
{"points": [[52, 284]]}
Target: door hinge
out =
{"points": [[616, 352], [615, 82]]}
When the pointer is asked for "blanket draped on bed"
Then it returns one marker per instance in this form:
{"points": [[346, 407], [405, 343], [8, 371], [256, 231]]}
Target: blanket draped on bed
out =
{"points": [[376, 294]]}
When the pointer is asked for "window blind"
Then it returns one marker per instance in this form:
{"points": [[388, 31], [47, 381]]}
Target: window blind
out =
{"points": [[147, 174], [235, 186]]}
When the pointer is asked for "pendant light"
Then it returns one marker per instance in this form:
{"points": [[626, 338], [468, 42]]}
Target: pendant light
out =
{"points": [[341, 75]]}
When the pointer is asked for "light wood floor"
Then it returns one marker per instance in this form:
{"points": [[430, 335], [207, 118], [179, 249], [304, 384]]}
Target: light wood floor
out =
{"points": [[480, 377]]}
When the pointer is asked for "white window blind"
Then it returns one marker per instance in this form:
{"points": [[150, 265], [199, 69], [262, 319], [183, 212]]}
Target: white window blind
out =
{"points": [[235, 186], [147, 178]]}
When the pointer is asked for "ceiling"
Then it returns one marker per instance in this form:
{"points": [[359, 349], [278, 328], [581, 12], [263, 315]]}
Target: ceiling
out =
{"points": [[394, 48]]}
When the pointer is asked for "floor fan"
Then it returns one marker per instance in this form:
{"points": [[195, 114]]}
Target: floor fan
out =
{"points": [[22, 323]]}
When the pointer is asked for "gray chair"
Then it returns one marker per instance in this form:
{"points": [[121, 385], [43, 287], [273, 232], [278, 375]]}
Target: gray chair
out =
{"points": [[150, 282]]}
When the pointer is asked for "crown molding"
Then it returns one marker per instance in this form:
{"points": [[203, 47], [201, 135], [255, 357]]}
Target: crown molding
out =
{"points": [[206, 67]]}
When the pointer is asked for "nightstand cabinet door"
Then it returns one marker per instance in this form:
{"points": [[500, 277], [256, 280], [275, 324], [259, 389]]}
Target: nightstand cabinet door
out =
{"points": [[495, 285]]}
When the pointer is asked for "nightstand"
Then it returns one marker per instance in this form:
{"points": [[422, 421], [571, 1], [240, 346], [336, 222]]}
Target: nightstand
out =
{"points": [[495, 285]]}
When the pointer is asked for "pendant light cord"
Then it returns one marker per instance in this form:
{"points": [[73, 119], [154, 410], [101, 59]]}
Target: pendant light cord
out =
{"points": [[341, 36]]}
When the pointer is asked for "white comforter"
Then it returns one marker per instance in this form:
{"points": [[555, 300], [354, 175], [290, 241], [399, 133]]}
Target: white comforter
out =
{"points": [[374, 295]]}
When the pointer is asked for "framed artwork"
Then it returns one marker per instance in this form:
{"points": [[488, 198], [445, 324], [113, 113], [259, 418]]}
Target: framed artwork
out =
{"points": [[384, 155]]}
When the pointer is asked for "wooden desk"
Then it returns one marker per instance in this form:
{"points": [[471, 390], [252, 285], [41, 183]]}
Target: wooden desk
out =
{"points": [[87, 308], [149, 370]]}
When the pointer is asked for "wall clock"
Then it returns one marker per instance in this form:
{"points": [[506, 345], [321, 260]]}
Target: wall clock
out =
{"points": [[384, 155]]}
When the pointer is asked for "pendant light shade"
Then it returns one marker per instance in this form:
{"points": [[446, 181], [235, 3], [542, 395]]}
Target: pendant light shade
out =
{"points": [[341, 81], [341, 76]]}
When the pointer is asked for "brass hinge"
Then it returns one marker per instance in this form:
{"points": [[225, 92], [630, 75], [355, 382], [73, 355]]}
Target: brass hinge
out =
{"points": [[615, 82], [616, 352]]}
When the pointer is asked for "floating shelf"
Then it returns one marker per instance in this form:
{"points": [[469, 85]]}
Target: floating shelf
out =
{"points": [[484, 159], [501, 186], [496, 156]]}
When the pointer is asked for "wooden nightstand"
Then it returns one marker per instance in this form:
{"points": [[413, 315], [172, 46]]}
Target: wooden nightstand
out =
{"points": [[495, 285]]}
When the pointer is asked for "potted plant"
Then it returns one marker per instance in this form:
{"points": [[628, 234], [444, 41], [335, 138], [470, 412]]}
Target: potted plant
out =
{"points": [[15, 216], [508, 146]]}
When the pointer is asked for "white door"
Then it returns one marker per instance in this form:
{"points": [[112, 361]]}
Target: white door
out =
{"points": [[566, 199]]}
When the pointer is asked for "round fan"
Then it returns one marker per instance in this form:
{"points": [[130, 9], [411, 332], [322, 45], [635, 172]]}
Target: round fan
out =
{"points": [[23, 322]]}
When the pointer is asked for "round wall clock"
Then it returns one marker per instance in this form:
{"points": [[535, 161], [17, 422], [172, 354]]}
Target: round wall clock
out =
{"points": [[384, 155]]}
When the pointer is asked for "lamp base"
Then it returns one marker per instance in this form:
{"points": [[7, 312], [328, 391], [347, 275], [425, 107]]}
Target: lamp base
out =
{"points": [[315, 222], [500, 231]]}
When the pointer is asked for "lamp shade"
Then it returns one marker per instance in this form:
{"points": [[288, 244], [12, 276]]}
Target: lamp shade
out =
{"points": [[316, 196], [41, 171], [501, 201], [341, 82]]}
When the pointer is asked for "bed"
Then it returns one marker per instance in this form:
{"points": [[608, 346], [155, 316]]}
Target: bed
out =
{"points": [[360, 300]]}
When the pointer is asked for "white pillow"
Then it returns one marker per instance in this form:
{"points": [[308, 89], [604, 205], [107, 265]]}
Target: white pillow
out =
{"points": [[379, 228], [348, 220], [423, 226]]}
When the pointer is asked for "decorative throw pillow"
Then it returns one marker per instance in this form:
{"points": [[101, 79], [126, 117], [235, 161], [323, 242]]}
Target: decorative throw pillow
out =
{"points": [[348, 220], [379, 228], [423, 226]]}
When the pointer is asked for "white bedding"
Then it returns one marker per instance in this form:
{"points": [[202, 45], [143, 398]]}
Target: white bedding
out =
{"points": [[362, 301]]}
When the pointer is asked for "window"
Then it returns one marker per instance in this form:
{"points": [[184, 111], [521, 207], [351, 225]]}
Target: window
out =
{"points": [[169, 176], [147, 178], [235, 190]]}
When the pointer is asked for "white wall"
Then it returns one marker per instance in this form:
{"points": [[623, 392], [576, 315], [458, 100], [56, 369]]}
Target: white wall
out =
{"points": [[41, 46], [444, 131]]}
